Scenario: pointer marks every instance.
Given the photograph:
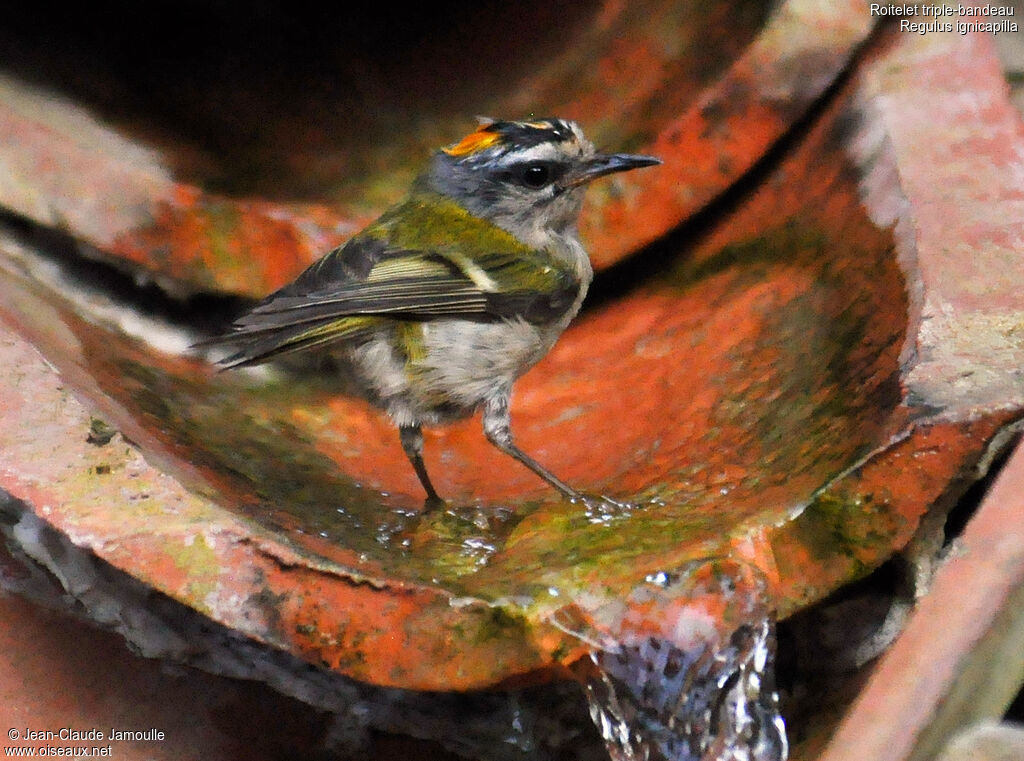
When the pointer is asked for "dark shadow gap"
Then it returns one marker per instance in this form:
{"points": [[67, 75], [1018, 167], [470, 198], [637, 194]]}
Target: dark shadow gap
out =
{"points": [[208, 313], [91, 271]]}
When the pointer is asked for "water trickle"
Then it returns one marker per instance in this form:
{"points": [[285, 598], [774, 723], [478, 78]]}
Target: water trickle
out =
{"points": [[685, 672], [656, 702]]}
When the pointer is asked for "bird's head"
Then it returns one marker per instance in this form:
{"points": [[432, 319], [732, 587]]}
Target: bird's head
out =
{"points": [[527, 177]]}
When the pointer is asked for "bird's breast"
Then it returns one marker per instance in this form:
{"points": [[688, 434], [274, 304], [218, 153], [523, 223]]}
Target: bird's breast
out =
{"points": [[471, 361], [437, 371]]}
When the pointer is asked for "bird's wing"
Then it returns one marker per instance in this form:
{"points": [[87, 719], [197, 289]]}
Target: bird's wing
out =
{"points": [[374, 277]]}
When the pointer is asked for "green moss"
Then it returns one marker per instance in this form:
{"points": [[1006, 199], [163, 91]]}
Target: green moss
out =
{"points": [[498, 624], [791, 241], [100, 432], [849, 531], [224, 224], [199, 563]]}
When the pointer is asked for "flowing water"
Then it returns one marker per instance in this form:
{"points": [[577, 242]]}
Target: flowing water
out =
{"points": [[695, 687]]}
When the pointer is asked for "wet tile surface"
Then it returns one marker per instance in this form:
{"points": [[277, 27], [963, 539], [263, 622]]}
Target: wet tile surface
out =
{"points": [[846, 367]]}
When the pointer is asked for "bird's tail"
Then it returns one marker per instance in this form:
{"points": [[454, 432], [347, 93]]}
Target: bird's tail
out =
{"points": [[252, 344]]}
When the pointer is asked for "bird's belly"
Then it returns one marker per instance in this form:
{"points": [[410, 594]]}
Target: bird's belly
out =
{"points": [[446, 369], [466, 363]]}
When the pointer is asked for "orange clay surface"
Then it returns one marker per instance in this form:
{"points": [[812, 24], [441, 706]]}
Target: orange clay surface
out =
{"points": [[787, 383], [707, 87]]}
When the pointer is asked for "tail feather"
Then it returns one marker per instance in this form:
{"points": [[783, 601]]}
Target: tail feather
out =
{"points": [[254, 345]]}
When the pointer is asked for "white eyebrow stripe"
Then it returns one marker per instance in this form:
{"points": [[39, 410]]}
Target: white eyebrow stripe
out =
{"points": [[577, 132], [539, 152]]}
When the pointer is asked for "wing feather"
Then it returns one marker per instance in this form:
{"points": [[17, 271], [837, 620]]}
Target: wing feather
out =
{"points": [[374, 277]]}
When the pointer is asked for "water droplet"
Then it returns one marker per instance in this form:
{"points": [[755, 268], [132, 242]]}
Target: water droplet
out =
{"points": [[606, 511], [660, 578], [479, 549]]}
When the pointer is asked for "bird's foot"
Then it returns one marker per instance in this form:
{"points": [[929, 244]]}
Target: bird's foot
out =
{"points": [[434, 503]]}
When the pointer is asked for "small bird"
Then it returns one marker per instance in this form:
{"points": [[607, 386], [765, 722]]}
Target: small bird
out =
{"points": [[440, 304]]}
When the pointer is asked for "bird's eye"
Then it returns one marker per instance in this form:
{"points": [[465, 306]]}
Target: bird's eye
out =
{"points": [[536, 175]]}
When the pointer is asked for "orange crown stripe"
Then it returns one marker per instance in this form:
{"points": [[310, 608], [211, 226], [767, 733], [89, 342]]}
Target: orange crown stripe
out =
{"points": [[473, 142]]}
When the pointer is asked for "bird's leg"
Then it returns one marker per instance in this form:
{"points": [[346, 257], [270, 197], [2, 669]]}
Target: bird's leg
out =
{"points": [[412, 443], [497, 424]]}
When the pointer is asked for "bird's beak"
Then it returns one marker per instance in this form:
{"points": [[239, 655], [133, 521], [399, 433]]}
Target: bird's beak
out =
{"points": [[606, 163]]}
